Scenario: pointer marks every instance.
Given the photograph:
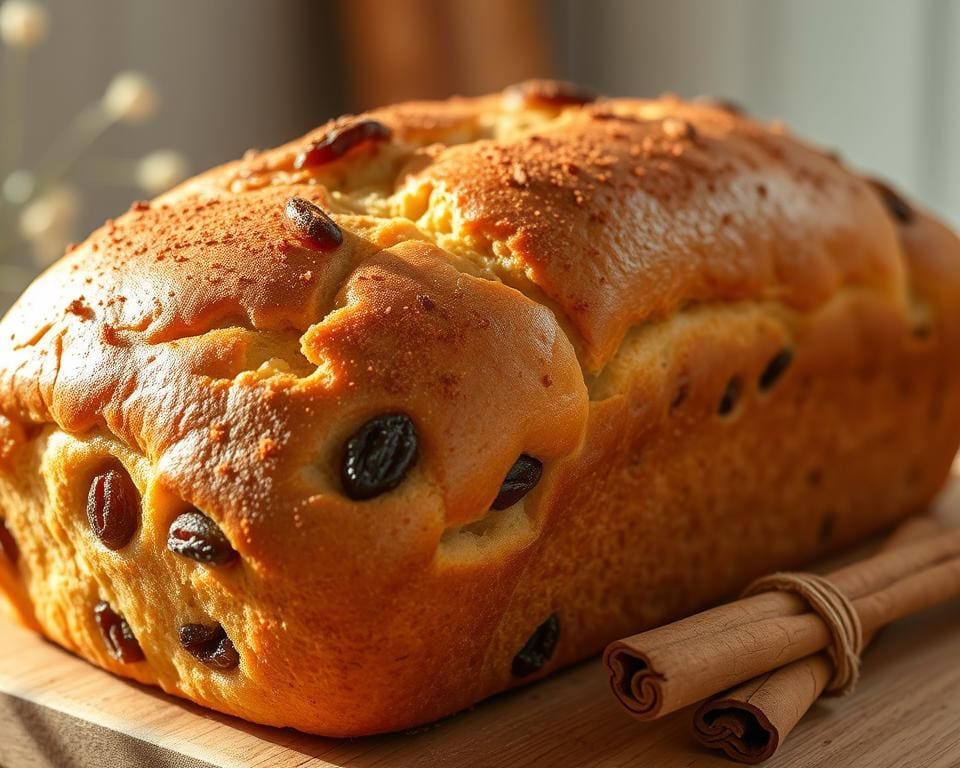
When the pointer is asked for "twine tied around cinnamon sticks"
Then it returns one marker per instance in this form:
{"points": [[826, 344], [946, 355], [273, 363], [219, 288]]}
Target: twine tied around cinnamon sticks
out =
{"points": [[772, 651], [837, 612]]}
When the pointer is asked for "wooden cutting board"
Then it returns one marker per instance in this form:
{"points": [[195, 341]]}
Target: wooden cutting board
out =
{"points": [[57, 711]]}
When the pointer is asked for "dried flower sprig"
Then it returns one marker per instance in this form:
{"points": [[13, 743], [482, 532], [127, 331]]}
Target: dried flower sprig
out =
{"points": [[23, 24], [39, 206]]}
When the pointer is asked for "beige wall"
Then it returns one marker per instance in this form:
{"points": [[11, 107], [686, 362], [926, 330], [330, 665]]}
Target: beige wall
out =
{"points": [[232, 74], [877, 79]]}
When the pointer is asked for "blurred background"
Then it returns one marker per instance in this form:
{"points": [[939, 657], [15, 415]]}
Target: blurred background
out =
{"points": [[107, 101]]}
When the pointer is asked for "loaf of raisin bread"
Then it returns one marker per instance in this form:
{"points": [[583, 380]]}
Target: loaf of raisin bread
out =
{"points": [[352, 433]]}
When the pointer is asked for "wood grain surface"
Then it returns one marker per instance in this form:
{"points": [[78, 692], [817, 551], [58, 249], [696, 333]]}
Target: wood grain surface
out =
{"points": [[57, 711]]}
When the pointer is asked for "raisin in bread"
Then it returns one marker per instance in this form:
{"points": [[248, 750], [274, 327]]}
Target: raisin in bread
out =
{"points": [[352, 433]]}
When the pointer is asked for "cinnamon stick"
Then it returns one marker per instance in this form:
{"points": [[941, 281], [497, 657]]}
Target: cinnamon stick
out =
{"points": [[668, 668], [750, 722]]}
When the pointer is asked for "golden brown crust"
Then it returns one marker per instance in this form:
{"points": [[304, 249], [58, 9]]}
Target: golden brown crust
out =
{"points": [[605, 214], [520, 274]]}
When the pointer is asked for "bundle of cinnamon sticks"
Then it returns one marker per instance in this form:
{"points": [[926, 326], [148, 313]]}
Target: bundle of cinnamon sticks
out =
{"points": [[759, 663]]}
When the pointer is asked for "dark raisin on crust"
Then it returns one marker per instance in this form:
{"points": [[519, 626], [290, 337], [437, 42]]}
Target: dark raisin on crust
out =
{"points": [[678, 129], [113, 507], [311, 225], [338, 141], [210, 645], [680, 394], [551, 93], [825, 531], [194, 535], [538, 649], [8, 547], [378, 456], [520, 480], [922, 330], [775, 369], [731, 395], [117, 635], [898, 207]]}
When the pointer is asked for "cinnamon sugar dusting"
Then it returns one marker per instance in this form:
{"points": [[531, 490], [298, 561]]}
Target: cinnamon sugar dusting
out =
{"points": [[80, 308], [267, 448], [596, 211]]}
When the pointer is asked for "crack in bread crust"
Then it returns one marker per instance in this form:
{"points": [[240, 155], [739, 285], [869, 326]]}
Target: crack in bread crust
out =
{"points": [[616, 145]]}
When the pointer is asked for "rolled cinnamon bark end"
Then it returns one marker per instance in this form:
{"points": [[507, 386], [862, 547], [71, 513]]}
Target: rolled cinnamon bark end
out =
{"points": [[668, 668], [635, 684], [750, 722], [740, 730], [665, 669]]}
